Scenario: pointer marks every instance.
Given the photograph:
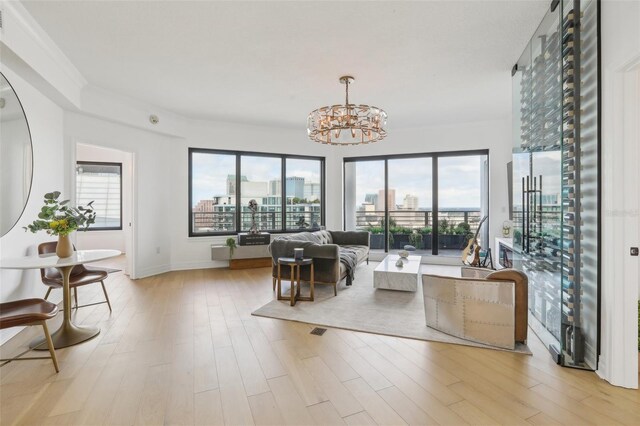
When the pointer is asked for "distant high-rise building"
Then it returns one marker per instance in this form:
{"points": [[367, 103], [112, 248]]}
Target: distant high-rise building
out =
{"points": [[371, 198], [275, 187], [391, 199], [295, 187], [231, 183], [410, 202], [312, 191]]}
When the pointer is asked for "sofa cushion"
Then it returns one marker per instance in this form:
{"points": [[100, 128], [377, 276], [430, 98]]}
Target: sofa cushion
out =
{"points": [[324, 237]]}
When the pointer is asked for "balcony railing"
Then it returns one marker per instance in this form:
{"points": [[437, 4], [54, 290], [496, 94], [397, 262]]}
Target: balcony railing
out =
{"points": [[415, 228], [207, 222]]}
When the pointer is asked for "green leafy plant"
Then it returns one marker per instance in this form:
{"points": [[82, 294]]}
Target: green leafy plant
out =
{"points": [[463, 228], [415, 239], [443, 227], [376, 229], [425, 230], [58, 218], [231, 243]]}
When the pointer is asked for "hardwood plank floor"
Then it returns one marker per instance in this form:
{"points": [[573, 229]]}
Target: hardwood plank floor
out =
{"points": [[183, 348]]}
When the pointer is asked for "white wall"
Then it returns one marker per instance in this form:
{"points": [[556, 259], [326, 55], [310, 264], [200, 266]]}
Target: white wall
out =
{"points": [[152, 170], [620, 29], [109, 238], [45, 121]]}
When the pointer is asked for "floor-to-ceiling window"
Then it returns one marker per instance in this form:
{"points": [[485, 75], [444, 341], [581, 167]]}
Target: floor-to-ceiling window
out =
{"points": [[432, 202]]}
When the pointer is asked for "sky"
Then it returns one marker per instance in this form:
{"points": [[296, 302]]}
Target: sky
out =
{"points": [[458, 180], [210, 171], [458, 177]]}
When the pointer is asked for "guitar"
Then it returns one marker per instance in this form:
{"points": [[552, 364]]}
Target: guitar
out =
{"points": [[471, 253]]}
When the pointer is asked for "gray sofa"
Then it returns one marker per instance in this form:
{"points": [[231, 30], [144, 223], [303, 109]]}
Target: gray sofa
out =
{"points": [[324, 247]]}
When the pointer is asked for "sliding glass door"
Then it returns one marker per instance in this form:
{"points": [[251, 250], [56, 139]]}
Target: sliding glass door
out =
{"points": [[410, 203], [364, 200], [430, 203], [462, 202]]}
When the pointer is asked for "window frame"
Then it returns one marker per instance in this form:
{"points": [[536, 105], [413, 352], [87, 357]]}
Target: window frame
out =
{"points": [[103, 163], [434, 182], [238, 173]]}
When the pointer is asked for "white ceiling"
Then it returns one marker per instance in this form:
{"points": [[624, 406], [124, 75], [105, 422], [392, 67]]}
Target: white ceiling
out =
{"points": [[273, 62]]}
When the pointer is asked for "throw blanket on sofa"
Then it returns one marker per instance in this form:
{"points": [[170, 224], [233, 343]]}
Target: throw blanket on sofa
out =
{"points": [[349, 258]]}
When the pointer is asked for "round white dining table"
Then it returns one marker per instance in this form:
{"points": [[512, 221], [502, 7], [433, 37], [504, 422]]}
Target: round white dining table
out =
{"points": [[69, 333]]}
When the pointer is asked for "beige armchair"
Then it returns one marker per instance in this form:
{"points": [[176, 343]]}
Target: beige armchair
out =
{"points": [[483, 306]]}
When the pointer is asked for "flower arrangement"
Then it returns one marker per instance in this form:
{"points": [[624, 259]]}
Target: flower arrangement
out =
{"points": [[58, 218]]}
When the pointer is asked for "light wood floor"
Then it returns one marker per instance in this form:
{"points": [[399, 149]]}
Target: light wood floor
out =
{"points": [[183, 348]]}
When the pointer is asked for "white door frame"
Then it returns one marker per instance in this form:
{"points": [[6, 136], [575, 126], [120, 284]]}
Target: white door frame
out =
{"points": [[129, 231], [620, 224]]}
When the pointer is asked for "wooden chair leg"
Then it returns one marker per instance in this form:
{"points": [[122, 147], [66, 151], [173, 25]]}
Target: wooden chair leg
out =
{"points": [[52, 350], [335, 289], [48, 291], [106, 296], [274, 283], [75, 295]]}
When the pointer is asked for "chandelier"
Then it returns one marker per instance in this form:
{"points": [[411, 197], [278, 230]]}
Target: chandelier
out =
{"points": [[347, 124]]}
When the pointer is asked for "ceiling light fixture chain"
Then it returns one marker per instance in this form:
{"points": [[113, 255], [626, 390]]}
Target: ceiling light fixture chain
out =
{"points": [[362, 123]]}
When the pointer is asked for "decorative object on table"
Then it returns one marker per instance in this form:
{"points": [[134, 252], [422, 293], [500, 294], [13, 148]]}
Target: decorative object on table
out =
{"points": [[399, 263], [471, 253], [302, 223], [506, 228], [60, 219], [403, 254], [253, 207], [347, 124], [298, 253], [247, 239], [231, 243]]}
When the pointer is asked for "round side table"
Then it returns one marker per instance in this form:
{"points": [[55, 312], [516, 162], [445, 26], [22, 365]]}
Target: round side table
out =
{"points": [[295, 265]]}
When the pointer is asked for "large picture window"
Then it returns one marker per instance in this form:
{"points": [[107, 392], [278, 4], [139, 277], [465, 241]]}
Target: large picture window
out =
{"points": [[102, 184], [221, 184], [432, 202]]}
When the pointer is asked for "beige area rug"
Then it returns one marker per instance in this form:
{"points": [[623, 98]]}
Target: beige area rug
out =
{"points": [[364, 308]]}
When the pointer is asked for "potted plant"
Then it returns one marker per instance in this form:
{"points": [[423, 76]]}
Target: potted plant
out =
{"points": [[415, 239], [400, 237], [231, 243], [426, 237], [376, 241], [59, 219]]}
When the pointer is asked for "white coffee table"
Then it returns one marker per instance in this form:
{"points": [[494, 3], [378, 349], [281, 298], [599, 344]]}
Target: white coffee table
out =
{"points": [[391, 277]]}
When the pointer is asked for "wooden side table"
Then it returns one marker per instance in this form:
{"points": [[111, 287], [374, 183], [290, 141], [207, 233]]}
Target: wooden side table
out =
{"points": [[295, 265]]}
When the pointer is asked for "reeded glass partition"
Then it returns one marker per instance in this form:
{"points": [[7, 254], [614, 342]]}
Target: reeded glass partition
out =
{"points": [[556, 178]]}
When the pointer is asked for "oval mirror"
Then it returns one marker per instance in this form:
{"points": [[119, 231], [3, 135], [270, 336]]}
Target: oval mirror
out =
{"points": [[16, 159]]}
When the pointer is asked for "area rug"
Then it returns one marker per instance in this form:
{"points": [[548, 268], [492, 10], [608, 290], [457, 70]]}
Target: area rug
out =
{"points": [[361, 307]]}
